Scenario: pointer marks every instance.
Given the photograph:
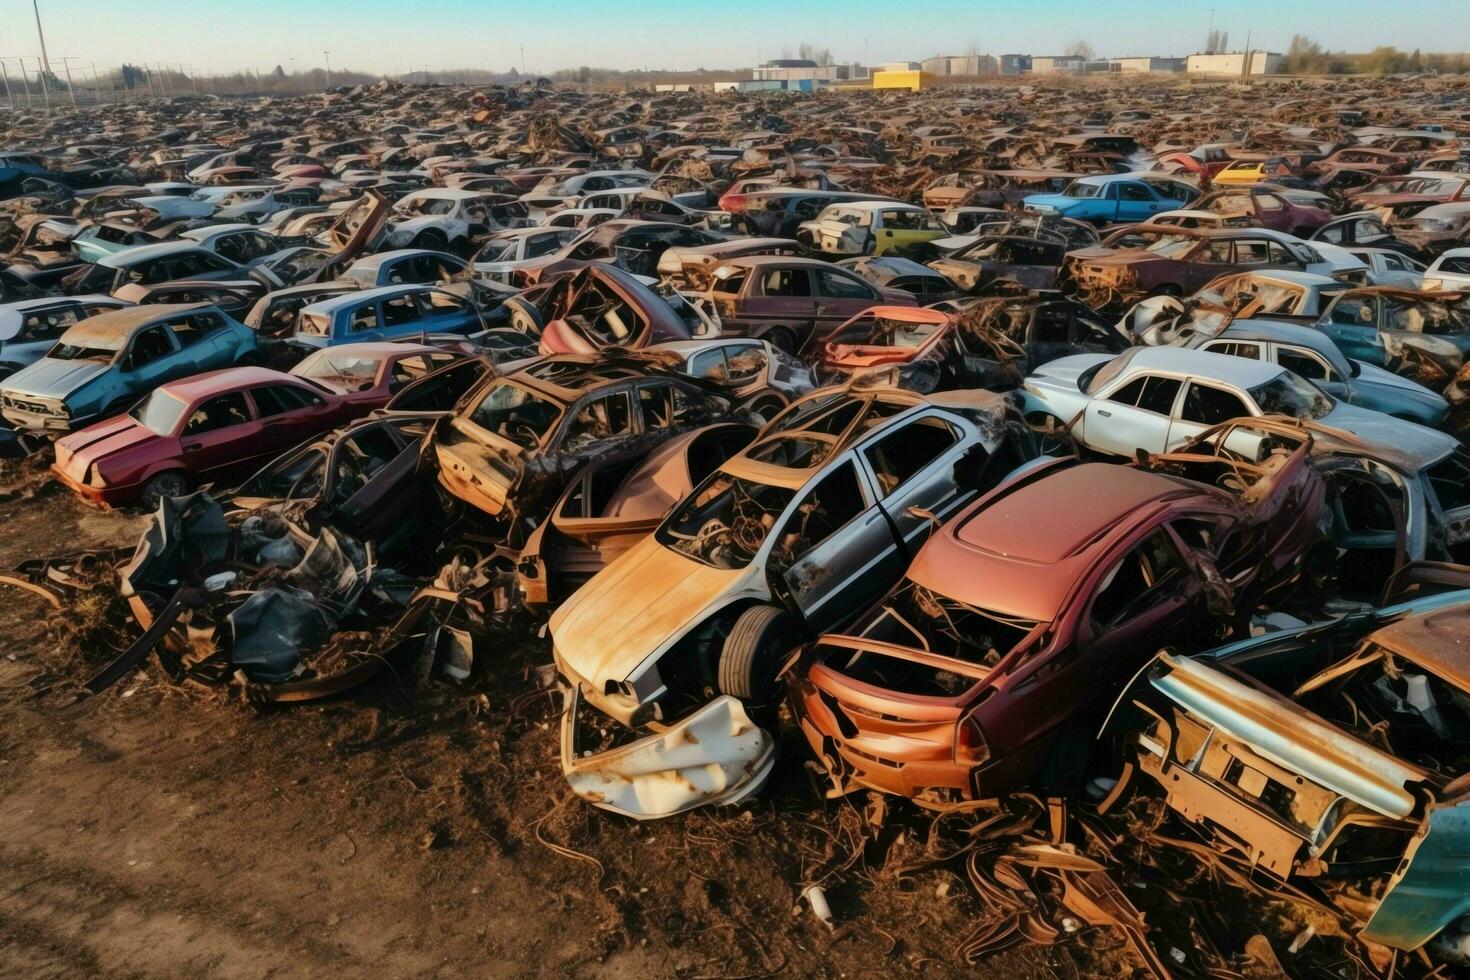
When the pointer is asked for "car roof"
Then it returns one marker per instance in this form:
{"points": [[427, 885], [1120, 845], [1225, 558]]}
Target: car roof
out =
{"points": [[114, 325], [760, 261], [442, 193], [357, 297], [1241, 371], [226, 379], [379, 348], [42, 302], [873, 205], [1021, 550], [377, 259], [209, 231], [142, 253], [1276, 330], [1296, 277]]}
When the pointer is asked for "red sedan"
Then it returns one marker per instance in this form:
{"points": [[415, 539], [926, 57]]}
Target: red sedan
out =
{"points": [[367, 375], [205, 428]]}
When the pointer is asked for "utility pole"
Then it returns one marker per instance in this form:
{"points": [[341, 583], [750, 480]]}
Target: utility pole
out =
{"points": [[1210, 37], [328, 56], [1247, 65], [523, 59], [9, 99], [45, 75], [45, 61], [66, 66]]}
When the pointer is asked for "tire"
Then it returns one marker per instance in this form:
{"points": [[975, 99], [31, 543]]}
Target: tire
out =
{"points": [[783, 338], [169, 483], [434, 241], [752, 653]]}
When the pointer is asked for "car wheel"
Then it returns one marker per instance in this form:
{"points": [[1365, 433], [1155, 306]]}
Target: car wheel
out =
{"points": [[434, 241], [783, 338], [170, 483], [752, 653]]}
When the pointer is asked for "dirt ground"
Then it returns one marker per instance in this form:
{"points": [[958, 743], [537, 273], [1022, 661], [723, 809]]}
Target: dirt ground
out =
{"points": [[166, 831]]}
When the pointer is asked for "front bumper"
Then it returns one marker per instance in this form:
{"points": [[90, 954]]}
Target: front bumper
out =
{"points": [[110, 496], [38, 421], [715, 756]]}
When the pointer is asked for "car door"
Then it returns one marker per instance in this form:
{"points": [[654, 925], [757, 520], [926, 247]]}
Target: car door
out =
{"points": [[1133, 413], [1352, 323], [912, 468], [1032, 263], [840, 297], [152, 359], [445, 312], [785, 298], [1204, 403], [220, 436], [400, 317], [834, 551], [288, 415], [1137, 201], [373, 490]]}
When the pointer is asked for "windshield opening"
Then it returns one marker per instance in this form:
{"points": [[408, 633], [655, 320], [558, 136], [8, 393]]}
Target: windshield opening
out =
{"points": [[725, 522], [1288, 394], [515, 414], [159, 413]]}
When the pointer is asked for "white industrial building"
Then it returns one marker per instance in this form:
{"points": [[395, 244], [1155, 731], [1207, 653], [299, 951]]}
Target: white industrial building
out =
{"points": [[1141, 65], [1233, 65], [1047, 64], [970, 64]]}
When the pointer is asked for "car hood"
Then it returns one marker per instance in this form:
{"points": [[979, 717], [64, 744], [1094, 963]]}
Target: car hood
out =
{"points": [[1375, 428], [97, 443], [646, 597], [1057, 202], [51, 378], [1067, 370], [1383, 378]]}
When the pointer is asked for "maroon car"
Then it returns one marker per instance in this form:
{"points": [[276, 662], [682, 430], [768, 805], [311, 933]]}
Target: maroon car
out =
{"points": [[367, 375], [789, 301], [1023, 616], [205, 428], [1263, 206]]}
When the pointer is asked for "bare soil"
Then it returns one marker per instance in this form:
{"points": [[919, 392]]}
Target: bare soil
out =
{"points": [[159, 830]]}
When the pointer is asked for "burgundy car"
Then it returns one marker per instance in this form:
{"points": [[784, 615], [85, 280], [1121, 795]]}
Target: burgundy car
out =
{"points": [[367, 375], [1262, 206], [1027, 613], [205, 428]]}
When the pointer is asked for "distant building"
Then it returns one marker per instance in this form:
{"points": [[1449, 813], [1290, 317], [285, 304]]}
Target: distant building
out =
{"points": [[1138, 66], [1014, 64], [970, 64], [1233, 65], [1047, 65], [800, 70], [782, 85]]}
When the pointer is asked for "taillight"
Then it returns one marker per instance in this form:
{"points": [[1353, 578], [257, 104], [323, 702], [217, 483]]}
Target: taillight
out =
{"points": [[734, 203], [970, 741]]}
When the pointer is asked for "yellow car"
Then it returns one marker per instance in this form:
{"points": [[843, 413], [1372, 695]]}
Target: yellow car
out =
{"points": [[1252, 171], [869, 228]]}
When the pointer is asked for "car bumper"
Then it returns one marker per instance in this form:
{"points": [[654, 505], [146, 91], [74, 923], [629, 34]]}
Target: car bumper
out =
{"points": [[41, 421], [110, 496], [714, 756]]}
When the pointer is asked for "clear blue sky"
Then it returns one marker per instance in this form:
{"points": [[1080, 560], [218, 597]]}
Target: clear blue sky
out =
{"points": [[391, 36]]}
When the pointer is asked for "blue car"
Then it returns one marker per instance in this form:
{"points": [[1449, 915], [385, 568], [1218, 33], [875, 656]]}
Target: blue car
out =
{"points": [[403, 265], [385, 313], [1113, 198], [106, 362]]}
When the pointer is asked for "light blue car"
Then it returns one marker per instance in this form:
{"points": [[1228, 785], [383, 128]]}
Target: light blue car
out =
{"points": [[1157, 398], [1114, 198]]}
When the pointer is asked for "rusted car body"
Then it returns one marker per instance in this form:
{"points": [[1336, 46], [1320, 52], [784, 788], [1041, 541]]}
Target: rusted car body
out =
{"points": [[601, 306], [612, 505], [793, 535], [516, 441], [1026, 612], [1326, 758]]}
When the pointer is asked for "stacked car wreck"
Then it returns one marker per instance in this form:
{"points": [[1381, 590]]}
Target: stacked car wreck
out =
{"points": [[940, 448]]}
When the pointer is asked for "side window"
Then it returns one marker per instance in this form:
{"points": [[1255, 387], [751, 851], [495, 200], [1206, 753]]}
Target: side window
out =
{"points": [[1135, 192], [902, 453], [1356, 312], [786, 282], [1152, 394], [731, 284], [236, 247], [745, 363], [399, 310], [540, 245], [1252, 252], [439, 303], [1280, 256], [1129, 393], [1303, 363], [149, 346], [709, 364], [1143, 577], [1267, 202], [827, 507], [407, 369], [1235, 348], [655, 403], [207, 323], [186, 331], [600, 419], [1218, 252], [280, 399], [1210, 406], [364, 318], [1332, 235], [838, 286], [47, 324], [218, 413]]}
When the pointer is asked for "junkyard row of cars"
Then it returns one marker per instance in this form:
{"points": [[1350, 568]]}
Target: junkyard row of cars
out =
{"points": [[1068, 440]]}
